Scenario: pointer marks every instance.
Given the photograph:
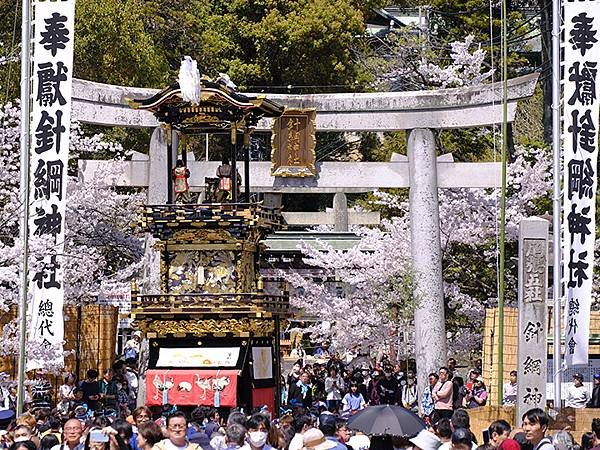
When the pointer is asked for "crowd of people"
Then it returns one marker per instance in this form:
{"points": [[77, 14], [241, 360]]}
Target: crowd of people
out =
{"points": [[100, 413]]}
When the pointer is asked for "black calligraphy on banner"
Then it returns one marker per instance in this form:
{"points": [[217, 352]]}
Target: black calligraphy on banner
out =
{"points": [[583, 36], [585, 82], [579, 222], [577, 269], [46, 278], [580, 176], [56, 34], [49, 80], [47, 134], [583, 130], [48, 179], [48, 222]]}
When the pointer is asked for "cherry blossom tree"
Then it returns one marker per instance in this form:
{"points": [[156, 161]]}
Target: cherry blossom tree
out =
{"points": [[100, 252], [371, 296]]}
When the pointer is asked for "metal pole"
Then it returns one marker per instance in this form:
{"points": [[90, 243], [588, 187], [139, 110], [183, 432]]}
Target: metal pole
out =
{"points": [[502, 203], [556, 230], [234, 193], [169, 164], [24, 194], [246, 166]]}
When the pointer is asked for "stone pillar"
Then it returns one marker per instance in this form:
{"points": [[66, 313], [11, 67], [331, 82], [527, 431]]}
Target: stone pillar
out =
{"points": [[157, 195], [157, 189], [340, 212], [430, 329], [532, 355]]}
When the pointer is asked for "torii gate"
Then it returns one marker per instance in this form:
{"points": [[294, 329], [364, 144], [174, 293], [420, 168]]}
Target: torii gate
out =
{"points": [[418, 112]]}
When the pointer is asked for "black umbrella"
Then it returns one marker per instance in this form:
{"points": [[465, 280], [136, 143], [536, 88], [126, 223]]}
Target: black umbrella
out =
{"points": [[386, 419]]}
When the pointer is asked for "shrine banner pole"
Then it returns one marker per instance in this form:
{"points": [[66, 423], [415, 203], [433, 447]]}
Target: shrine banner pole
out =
{"points": [[246, 144], [556, 208], [24, 195]]}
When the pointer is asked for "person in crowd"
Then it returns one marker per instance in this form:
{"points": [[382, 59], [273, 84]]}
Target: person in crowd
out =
{"points": [[218, 442], [409, 393], [334, 385], [427, 401], [72, 432], [478, 395], [132, 346], [460, 419], [443, 430], [595, 399], [461, 439], [10, 400], [452, 368], [328, 425], [342, 433], [109, 390], [148, 435], [425, 440], [323, 351], [442, 394], [132, 381], [499, 433], [301, 392], [258, 428], [563, 440], [587, 440], [177, 425], [302, 423], [359, 441], [23, 445], [235, 434], [314, 439], [459, 392], [388, 389], [596, 431], [535, 425], [91, 389], [509, 390], [213, 423], [473, 374], [48, 442], [196, 431], [66, 394], [577, 394], [22, 433], [353, 401]]}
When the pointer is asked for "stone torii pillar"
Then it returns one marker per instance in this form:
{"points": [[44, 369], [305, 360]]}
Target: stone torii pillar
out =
{"points": [[426, 249]]}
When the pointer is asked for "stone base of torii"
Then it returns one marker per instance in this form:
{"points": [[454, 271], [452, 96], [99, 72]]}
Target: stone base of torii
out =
{"points": [[417, 111]]}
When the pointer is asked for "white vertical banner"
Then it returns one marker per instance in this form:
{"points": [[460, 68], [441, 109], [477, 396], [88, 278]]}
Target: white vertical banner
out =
{"points": [[581, 108], [52, 69]]}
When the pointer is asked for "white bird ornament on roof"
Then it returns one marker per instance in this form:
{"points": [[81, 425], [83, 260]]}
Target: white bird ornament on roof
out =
{"points": [[189, 80]]}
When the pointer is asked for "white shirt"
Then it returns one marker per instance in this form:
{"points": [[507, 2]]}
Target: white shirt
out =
{"points": [[577, 396], [509, 394]]}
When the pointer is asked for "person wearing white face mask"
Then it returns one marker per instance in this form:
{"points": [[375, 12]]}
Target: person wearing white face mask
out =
{"points": [[258, 427]]}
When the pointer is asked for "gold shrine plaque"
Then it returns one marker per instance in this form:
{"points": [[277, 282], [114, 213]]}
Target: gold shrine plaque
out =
{"points": [[293, 144]]}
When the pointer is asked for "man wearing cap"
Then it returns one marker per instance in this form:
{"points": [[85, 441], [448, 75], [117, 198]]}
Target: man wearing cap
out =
{"points": [[577, 394], [595, 400]]}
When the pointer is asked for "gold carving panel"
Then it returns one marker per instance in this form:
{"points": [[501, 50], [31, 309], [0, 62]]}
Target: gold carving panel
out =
{"points": [[255, 327], [212, 272]]}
